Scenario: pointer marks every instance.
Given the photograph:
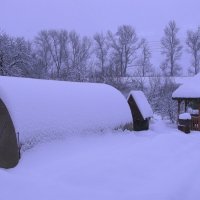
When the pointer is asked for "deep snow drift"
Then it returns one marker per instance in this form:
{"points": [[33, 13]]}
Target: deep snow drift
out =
{"points": [[160, 164]]}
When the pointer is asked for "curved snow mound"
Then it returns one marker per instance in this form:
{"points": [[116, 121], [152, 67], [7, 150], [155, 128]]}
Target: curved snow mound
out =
{"points": [[41, 108]]}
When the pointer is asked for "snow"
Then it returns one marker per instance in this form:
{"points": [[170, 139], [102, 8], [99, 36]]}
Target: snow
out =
{"points": [[159, 164], [188, 89], [185, 116], [142, 103], [146, 80], [192, 111], [183, 79], [42, 109]]}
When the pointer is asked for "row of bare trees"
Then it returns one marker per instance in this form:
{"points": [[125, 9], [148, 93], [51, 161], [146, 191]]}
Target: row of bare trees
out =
{"points": [[115, 53], [63, 55], [172, 50], [59, 54]]}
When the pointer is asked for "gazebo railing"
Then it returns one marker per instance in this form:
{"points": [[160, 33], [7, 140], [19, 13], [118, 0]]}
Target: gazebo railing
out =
{"points": [[195, 123]]}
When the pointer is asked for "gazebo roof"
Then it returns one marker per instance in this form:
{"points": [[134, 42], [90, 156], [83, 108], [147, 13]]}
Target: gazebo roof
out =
{"points": [[188, 90]]}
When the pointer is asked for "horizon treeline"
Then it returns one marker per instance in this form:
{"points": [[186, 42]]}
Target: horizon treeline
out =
{"points": [[65, 55]]}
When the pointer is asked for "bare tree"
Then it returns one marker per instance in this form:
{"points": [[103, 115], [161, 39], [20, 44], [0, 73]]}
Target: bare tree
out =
{"points": [[144, 63], [53, 49], [42, 53], [79, 55], [124, 45], [63, 54], [101, 49], [56, 42], [171, 48], [193, 43]]}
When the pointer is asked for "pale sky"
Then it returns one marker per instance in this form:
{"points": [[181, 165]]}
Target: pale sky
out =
{"points": [[149, 17]]}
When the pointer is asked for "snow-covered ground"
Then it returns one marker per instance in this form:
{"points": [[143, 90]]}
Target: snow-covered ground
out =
{"points": [[159, 164]]}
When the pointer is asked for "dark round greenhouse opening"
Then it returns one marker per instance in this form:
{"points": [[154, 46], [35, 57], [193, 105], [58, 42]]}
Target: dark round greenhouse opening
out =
{"points": [[9, 152]]}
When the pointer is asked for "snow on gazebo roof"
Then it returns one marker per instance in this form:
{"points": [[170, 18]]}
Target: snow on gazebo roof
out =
{"points": [[142, 103], [189, 89], [45, 108]]}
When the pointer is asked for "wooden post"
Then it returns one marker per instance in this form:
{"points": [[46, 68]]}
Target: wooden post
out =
{"points": [[186, 103], [199, 118], [199, 108], [179, 104]]}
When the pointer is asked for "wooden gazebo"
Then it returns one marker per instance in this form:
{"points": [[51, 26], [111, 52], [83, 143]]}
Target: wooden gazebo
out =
{"points": [[188, 98], [195, 117]]}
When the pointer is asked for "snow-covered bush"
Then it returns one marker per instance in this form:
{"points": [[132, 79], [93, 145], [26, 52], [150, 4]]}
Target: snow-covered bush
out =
{"points": [[160, 96]]}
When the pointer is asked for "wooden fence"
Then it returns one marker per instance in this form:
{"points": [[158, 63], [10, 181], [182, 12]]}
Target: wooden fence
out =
{"points": [[195, 123]]}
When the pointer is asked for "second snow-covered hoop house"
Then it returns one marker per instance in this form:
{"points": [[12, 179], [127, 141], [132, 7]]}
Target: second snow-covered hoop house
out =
{"points": [[40, 110], [140, 109]]}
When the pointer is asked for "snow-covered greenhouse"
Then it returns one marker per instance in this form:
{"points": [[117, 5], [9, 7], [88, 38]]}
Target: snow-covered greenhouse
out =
{"points": [[40, 110], [140, 109]]}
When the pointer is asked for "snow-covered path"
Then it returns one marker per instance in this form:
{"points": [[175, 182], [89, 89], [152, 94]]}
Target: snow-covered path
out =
{"points": [[160, 164]]}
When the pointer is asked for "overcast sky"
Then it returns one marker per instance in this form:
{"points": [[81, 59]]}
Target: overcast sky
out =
{"points": [[149, 17]]}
